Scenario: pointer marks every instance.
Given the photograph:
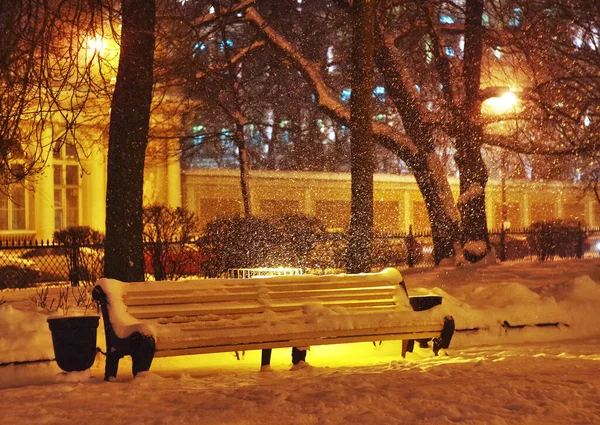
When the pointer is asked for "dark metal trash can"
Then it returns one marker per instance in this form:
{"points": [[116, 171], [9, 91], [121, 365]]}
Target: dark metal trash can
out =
{"points": [[424, 302], [74, 341]]}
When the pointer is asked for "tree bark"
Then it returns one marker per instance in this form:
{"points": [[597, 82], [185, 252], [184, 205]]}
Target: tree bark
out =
{"points": [[128, 139], [244, 168], [469, 139], [443, 216], [433, 185], [361, 142]]}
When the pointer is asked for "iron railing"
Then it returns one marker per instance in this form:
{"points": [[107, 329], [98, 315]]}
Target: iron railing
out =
{"points": [[29, 263]]}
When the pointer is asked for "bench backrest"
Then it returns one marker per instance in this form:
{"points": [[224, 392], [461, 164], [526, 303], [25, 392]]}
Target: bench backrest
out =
{"points": [[179, 299]]}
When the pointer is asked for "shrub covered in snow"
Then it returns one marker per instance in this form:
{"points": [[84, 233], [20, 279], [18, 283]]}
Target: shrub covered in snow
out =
{"points": [[558, 237], [246, 242]]}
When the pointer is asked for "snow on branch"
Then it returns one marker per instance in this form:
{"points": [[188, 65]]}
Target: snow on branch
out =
{"points": [[385, 135], [233, 60], [222, 11], [473, 191]]}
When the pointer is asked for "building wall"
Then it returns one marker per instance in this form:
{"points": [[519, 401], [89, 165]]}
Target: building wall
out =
{"points": [[398, 204], [208, 193]]}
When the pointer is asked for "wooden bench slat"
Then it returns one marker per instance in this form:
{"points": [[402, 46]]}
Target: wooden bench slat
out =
{"points": [[188, 299], [132, 297], [191, 310], [162, 320], [308, 295], [273, 283], [304, 338], [194, 310]]}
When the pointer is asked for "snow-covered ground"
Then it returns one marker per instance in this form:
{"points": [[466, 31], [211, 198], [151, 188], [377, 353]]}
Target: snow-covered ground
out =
{"points": [[534, 375]]}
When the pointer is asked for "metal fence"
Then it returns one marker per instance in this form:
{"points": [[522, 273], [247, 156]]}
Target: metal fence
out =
{"points": [[30, 263], [537, 243]]}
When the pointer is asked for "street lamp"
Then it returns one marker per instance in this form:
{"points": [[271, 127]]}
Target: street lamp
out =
{"points": [[508, 102], [96, 45]]}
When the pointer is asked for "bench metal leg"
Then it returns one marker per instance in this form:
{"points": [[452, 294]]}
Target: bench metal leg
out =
{"points": [[407, 346], [445, 337], [265, 358], [298, 355], [143, 348], [112, 366]]}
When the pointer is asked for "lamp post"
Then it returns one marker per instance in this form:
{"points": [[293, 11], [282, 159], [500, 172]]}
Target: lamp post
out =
{"points": [[507, 102]]}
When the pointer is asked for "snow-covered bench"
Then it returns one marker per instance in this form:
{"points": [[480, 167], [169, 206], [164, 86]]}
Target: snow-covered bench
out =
{"points": [[148, 319]]}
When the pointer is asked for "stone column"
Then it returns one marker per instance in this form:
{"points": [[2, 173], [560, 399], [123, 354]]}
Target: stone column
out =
{"points": [[174, 182], [526, 214], [44, 191], [93, 188], [408, 212]]}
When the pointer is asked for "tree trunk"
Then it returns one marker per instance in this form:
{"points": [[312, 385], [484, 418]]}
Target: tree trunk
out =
{"points": [[442, 213], [244, 168], [471, 203], [361, 146], [425, 165], [128, 139], [473, 171]]}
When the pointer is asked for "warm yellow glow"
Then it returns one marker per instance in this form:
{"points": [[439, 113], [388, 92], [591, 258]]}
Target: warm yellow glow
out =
{"points": [[97, 45], [508, 102], [263, 272]]}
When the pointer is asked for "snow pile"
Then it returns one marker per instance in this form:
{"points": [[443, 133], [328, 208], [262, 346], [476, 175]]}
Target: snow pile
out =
{"points": [[124, 324], [494, 375], [24, 336]]}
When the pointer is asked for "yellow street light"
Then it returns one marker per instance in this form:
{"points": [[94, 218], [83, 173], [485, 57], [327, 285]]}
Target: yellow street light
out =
{"points": [[96, 45], [508, 102]]}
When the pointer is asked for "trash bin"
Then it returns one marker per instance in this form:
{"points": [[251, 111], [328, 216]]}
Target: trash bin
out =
{"points": [[74, 341], [424, 302]]}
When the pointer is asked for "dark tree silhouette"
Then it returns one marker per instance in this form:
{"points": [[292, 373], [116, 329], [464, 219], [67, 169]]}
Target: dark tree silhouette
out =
{"points": [[128, 139]]}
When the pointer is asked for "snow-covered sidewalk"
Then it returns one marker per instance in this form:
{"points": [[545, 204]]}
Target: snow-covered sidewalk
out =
{"points": [[533, 375]]}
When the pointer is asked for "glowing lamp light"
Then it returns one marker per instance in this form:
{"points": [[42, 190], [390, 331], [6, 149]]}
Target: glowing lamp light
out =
{"points": [[505, 103], [97, 45]]}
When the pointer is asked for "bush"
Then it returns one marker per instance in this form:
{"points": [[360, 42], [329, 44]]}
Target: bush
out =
{"points": [[168, 233], [85, 262], [387, 252], [249, 242], [563, 238]]}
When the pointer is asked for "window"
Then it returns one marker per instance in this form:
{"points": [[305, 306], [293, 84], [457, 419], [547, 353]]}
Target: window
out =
{"points": [[517, 16], [346, 93], [335, 214], [379, 93], [330, 59], [445, 19], [199, 47], [226, 43], [13, 209], [66, 186]]}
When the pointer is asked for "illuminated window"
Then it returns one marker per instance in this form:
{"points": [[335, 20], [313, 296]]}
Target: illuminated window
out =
{"points": [[13, 209], [517, 16], [379, 93], [445, 19], [222, 44], [66, 187], [346, 93]]}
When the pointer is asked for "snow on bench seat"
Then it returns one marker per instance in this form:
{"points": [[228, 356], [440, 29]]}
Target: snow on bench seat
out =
{"points": [[217, 315]]}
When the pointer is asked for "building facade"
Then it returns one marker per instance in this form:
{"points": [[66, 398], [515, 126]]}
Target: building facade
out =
{"points": [[398, 204], [72, 193]]}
